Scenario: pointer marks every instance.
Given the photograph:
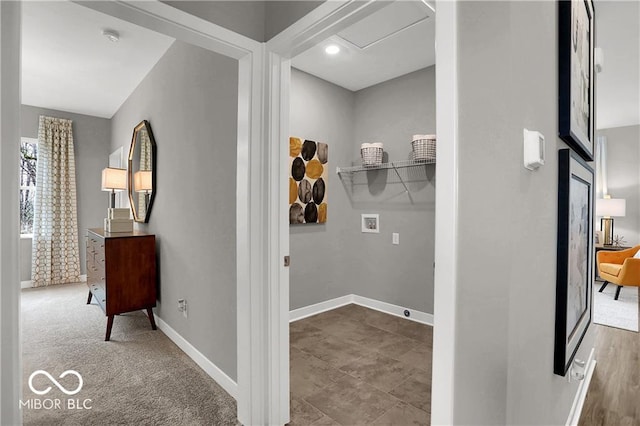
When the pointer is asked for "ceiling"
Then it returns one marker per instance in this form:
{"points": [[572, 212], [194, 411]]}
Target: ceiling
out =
{"points": [[394, 41], [68, 65], [618, 85]]}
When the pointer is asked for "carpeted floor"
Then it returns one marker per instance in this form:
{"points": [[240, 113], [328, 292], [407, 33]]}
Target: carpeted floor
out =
{"points": [[139, 377]]}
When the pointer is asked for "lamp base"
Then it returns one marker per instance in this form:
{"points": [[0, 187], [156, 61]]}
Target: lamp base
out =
{"points": [[606, 226], [112, 199]]}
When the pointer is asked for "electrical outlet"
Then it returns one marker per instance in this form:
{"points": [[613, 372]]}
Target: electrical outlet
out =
{"points": [[395, 238], [182, 307]]}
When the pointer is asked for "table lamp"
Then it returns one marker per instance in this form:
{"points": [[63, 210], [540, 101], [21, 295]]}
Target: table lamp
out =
{"points": [[608, 208], [114, 180], [142, 182]]}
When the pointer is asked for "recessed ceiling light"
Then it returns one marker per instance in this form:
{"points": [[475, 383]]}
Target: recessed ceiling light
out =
{"points": [[112, 35], [332, 49]]}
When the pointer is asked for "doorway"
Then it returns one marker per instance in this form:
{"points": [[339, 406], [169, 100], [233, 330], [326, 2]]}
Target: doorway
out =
{"points": [[326, 272]]}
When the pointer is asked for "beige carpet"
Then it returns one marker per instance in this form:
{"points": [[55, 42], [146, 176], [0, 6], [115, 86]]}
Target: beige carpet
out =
{"points": [[139, 377]]}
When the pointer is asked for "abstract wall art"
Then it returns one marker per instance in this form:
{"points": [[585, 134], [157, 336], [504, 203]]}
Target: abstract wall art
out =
{"points": [[575, 75], [574, 277], [308, 164]]}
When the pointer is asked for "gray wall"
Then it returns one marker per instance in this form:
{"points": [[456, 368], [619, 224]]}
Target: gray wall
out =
{"points": [[391, 113], [320, 260], [91, 136], [281, 14], [342, 260], [243, 17], [190, 99], [258, 20], [507, 219], [623, 180]]}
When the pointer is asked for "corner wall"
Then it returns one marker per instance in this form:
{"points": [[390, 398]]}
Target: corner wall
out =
{"points": [[623, 180], [190, 99], [335, 259], [507, 218], [392, 112], [323, 112]]}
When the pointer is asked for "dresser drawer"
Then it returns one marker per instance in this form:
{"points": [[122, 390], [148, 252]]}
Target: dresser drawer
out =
{"points": [[99, 295]]}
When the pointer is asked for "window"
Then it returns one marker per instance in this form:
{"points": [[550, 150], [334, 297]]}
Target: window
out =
{"points": [[28, 161]]}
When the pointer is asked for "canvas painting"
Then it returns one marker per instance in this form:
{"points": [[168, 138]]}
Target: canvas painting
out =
{"points": [[578, 254], [308, 165], [580, 68], [576, 75], [574, 275]]}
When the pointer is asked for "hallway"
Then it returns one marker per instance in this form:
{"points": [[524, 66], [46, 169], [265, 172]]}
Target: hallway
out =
{"points": [[615, 387]]}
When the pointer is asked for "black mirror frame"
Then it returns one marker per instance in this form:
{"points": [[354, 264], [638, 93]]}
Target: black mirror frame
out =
{"points": [[144, 124]]}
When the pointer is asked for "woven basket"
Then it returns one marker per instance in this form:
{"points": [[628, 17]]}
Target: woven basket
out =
{"points": [[371, 154], [424, 147]]}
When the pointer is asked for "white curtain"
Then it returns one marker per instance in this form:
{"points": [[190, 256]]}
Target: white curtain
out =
{"points": [[55, 253]]}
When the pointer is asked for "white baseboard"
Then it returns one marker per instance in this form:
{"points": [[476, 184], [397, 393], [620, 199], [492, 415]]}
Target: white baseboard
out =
{"points": [[209, 367], [231, 386], [581, 394], [387, 308], [29, 283], [398, 311], [307, 311]]}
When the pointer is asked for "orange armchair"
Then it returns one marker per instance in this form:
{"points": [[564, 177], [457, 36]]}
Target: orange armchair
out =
{"points": [[619, 267]]}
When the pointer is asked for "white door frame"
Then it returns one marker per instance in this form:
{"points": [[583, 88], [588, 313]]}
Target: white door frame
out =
{"points": [[10, 350], [446, 239], [326, 20], [260, 247]]}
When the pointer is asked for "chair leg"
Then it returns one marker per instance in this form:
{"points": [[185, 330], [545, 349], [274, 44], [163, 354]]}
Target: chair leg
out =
{"points": [[603, 286], [618, 292]]}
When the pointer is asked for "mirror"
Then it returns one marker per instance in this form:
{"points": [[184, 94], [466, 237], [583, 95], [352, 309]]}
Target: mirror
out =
{"points": [[142, 171]]}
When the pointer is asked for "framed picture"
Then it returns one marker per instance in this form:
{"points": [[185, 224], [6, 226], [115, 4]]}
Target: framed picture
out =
{"points": [[574, 277], [576, 75], [371, 223], [308, 181]]}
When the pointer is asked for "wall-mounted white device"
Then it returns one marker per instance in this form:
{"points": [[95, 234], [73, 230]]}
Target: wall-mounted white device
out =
{"points": [[533, 149]]}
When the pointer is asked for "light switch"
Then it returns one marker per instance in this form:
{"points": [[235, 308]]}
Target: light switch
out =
{"points": [[395, 238], [533, 149]]}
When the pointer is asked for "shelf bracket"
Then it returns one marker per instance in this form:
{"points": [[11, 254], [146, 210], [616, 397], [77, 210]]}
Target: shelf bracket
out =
{"points": [[406, 189]]}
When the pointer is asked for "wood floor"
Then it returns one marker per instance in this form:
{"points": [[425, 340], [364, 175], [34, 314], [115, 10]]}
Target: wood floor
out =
{"points": [[354, 365], [614, 393]]}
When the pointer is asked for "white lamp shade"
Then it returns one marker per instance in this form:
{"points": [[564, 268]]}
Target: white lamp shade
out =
{"points": [[114, 179], [611, 207], [142, 181]]}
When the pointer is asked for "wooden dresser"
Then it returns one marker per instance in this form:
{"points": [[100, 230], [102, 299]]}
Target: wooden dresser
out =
{"points": [[121, 272]]}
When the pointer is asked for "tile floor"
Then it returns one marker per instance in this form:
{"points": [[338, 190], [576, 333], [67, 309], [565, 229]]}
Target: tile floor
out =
{"points": [[355, 365]]}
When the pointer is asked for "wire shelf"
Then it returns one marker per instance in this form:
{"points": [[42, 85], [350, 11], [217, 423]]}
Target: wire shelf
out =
{"points": [[391, 165]]}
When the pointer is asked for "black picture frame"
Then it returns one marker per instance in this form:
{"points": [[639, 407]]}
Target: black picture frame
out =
{"points": [[574, 276], [576, 111]]}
